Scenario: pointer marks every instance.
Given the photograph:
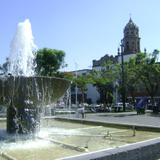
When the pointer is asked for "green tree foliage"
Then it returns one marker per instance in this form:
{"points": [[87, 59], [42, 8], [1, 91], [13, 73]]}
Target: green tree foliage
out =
{"points": [[149, 73], [81, 81], [49, 61], [104, 81], [68, 75], [144, 73], [131, 79], [5, 66]]}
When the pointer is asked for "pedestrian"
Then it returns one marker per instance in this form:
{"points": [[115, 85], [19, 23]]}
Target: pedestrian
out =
{"points": [[83, 112]]}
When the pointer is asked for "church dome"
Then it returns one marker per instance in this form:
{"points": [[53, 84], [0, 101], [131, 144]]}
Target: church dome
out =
{"points": [[131, 40], [131, 29], [130, 25]]}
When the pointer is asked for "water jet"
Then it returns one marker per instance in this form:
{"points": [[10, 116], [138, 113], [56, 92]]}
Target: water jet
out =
{"points": [[20, 90]]}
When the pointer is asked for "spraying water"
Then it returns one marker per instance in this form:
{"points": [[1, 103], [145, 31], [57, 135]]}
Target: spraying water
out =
{"points": [[22, 51]]}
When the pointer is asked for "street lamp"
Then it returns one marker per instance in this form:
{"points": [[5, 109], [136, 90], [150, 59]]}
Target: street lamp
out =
{"points": [[123, 80], [76, 88]]}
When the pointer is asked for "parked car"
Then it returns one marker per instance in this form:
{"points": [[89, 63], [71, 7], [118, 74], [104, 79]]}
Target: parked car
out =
{"points": [[119, 106]]}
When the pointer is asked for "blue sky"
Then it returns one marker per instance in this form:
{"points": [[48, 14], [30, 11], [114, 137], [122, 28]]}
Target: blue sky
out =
{"points": [[84, 29]]}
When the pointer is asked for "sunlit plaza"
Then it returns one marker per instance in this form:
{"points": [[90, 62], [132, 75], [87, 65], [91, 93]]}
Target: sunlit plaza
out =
{"points": [[63, 97]]}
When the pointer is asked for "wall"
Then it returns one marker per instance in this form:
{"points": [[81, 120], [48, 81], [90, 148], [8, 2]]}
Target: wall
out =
{"points": [[147, 150]]}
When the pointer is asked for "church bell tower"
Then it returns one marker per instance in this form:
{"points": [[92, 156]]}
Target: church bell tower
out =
{"points": [[131, 39]]}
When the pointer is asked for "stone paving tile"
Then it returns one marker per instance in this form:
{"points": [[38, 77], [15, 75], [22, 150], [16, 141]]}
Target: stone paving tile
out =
{"points": [[148, 119]]}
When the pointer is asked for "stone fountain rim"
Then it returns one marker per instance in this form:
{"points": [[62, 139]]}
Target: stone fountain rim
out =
{"points": [[4, 76]]}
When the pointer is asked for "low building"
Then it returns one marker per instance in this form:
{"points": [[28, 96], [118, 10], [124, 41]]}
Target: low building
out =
{"points": [[91, 95]]}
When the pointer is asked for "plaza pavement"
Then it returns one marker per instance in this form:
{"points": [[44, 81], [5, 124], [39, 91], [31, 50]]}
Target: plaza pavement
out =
{"points": [[131, 118]]}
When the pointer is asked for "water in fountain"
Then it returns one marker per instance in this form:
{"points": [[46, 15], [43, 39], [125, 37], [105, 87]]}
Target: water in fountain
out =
{"points": [[63, 106], [22, 91], [21, 63], [22, 51]]}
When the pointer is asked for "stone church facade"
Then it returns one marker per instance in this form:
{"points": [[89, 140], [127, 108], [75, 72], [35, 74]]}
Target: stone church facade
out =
{"points": [[130, 45]]}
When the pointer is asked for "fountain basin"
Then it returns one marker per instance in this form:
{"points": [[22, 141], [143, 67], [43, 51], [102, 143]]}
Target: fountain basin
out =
{"points": [[81, 141], [31, 90], [25, 96]]}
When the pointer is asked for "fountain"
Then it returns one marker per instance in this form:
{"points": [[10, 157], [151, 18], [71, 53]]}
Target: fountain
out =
{"points": [[24, 95], [20, 90]]}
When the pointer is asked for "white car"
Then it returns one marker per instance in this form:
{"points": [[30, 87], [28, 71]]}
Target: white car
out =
{"points": [[119, 106]]}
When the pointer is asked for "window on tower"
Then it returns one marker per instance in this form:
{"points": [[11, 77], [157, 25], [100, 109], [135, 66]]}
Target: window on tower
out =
{"points": [[127, 45]]}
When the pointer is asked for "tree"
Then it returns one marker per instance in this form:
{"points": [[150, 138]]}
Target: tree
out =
{"points": [[131, 79], [145, 71], [49, 61], [5, 66], [104, 81], [149, 73], [81, 82]]}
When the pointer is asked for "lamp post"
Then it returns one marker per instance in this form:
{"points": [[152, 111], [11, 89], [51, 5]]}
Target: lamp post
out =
{"points": [[116, 92], [76, 89], [123, 80]]}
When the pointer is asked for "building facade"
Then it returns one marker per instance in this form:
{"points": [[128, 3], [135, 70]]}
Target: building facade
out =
{"points": [[130, 45]]}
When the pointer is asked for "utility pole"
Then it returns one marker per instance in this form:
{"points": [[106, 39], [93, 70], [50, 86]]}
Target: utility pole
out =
{"points": [[123, 80]]}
